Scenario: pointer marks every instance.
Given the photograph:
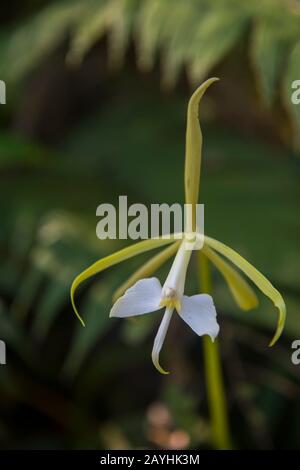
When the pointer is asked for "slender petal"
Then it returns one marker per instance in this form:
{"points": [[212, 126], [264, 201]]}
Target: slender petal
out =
{"points": [[243, 294], [143, 297], [147, 269], [113, 259], [193, 146], [199, 312], [259, 279], [159, 340]]}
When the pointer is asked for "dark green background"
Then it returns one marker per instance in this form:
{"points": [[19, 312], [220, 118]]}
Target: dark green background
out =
{"points": [[73, 137]]}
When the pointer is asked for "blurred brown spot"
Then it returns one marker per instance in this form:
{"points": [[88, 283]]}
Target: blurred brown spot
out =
{"points": [[179, 439], [159, 415]]}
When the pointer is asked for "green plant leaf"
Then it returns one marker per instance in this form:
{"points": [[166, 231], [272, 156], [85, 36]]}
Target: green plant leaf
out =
{"points": [[269, 49], [293, 73], [28, 44]]}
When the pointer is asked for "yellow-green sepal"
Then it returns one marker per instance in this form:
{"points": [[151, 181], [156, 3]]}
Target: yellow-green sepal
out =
{"points": [[258, 278]]}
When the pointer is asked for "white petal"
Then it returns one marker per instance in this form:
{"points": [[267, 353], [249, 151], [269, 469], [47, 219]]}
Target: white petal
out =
{"points": [[143, 297], [159, 339], [199, 312]]}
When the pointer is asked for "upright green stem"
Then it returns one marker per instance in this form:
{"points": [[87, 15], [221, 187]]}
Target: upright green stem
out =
{"points": [[213, 371]]}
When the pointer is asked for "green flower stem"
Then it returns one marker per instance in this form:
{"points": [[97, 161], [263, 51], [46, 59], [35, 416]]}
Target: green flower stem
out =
{"points": [[213, 372]]}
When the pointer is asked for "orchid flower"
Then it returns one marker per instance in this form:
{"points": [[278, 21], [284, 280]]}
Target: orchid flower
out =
{"points": [[147, 295], [142, 293]]}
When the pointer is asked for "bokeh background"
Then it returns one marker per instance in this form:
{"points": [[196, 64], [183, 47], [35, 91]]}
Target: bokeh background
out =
{"points": [[96, 104]]}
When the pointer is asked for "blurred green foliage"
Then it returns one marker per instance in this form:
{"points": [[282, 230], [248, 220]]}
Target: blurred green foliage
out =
{"points": [[65, 147], [196, 35]]}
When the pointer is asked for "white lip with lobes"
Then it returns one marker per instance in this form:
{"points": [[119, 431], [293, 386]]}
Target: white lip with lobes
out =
{"points": [[147, 296]]}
